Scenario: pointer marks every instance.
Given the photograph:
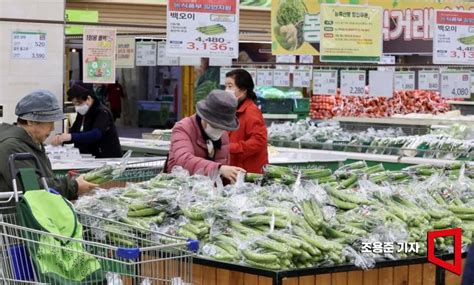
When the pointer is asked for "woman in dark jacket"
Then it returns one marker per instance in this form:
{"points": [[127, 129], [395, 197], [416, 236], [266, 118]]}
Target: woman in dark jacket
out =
{"points": [[94, 130]]}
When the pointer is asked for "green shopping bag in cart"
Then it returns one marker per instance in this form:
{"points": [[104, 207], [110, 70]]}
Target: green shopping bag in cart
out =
{"points": [[57, 260]]}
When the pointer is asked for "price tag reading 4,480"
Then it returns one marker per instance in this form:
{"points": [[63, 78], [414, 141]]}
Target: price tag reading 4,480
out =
{"points": [[456, 84], [352, 83]]}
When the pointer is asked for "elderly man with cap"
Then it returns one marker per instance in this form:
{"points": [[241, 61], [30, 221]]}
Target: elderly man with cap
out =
{"points": [[200, 143], [36, 113]]}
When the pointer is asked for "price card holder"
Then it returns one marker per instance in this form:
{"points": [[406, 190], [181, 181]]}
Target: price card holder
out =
{"points": [[29, 45], [325, 82], [146, 53], [302, 78], [428, 80], [456, 84], [381, 83], [163, 59], [264, 77], [404, 80], [353, 83], [281, 77], [223, 72]]}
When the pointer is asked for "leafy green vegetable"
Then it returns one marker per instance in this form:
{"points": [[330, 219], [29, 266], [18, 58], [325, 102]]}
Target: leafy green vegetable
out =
{"points": [[291, 12]]}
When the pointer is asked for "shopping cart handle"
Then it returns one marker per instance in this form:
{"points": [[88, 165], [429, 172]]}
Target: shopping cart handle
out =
{"points": [[128, 253], [193, 245], [51, 190]]}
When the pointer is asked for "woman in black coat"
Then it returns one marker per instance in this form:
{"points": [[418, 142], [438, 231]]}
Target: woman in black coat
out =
{"points": [[94, 130]]}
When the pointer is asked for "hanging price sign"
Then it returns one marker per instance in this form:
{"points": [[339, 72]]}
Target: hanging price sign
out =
{"points": [[456, 84], [325, 82], [453, 37], [29, 45], [353, 83], [222, 74], [281, 77], [404, 80], [204, 28], [302, 78], [381, 83], [428, 80], [264, 77]]}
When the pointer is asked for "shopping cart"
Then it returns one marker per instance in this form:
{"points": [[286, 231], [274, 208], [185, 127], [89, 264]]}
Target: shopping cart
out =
{"points": [[114, 253]]}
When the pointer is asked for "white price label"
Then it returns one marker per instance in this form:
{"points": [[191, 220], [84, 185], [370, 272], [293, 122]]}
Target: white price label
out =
{"points": [[306, 59], [286, 59], [281, 78], [325, 82], [29, 45], [163, 59], [253, 73], [353, 83], [428, 80], [456, 84], [404, 80], [381, 83], [302, 78], [146, 53], [453, 37], [203, 28], [264, 77], [223, 72]]}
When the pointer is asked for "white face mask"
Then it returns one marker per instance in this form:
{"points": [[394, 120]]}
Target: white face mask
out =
{"points": [[213, 133], [82, 109], [231, 91]]}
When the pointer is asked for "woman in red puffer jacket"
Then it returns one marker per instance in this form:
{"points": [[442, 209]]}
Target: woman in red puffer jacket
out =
{"points": [[248, 144]]}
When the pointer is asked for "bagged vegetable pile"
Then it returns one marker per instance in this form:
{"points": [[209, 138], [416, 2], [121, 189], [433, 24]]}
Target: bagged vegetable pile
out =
{"points": [[288, 218], [402, 102], [454, 142]]}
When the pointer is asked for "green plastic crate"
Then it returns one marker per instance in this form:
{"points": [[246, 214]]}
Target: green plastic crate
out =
{"points": [[275, 106], [301, 106]]}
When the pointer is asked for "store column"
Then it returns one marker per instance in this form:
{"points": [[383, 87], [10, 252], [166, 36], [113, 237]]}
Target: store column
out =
{"points": [[31, 51]]}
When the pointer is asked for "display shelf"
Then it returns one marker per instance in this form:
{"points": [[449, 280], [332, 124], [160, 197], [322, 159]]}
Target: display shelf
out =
{"points": [[283, 276], [280, 116], [408, 121]]}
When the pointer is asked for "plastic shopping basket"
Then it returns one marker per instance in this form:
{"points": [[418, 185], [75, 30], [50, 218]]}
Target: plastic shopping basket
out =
{"points": [[122, 254]]}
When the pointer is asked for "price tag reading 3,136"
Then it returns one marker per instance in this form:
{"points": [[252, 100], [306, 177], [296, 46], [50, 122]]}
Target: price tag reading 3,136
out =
{"points": [[456, 84], [353, 83]]}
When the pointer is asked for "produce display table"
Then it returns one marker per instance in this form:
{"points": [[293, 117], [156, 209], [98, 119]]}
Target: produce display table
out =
{"points": [[408, 271], [92, 163], [281, 157]]}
